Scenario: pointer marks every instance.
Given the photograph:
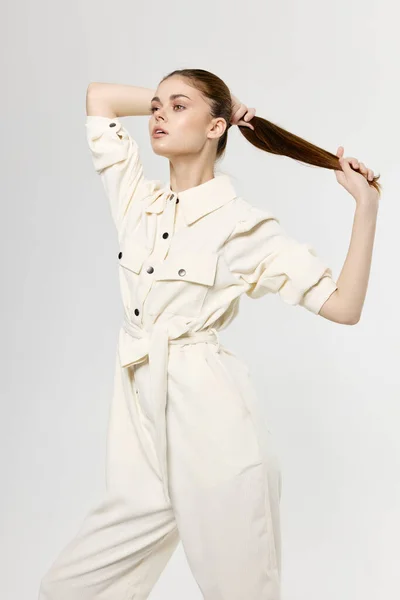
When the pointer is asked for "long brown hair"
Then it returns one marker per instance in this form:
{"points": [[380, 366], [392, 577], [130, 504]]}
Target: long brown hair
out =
{"points": [[266, 135]]}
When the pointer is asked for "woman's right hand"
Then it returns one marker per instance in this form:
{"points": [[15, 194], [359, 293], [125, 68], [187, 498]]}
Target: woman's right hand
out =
{"points": [[241, 114]]}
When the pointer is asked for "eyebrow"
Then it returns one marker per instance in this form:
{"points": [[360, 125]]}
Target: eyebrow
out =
{"points": [[172, 97]]}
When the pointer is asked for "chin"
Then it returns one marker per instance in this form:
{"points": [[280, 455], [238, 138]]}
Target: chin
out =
{"points": [[162, 149], [161, 152]]}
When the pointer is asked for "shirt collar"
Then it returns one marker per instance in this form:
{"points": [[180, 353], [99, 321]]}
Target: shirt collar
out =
{"points": [[197, 201]]}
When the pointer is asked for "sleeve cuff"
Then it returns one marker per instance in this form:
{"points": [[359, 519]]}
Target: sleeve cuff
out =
{"points": [[314, 299], [107, 147]]}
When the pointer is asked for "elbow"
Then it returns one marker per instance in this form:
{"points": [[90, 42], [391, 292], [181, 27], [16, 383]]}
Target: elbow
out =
{"points": [[352, 320], [92, 85], [338, 311]]}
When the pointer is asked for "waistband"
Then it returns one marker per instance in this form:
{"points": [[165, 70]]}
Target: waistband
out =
{"points": [[206, 335]]}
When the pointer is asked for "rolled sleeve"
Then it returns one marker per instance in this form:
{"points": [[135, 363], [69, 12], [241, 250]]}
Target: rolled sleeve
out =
{"points": [[268, 260], [116, 158]]}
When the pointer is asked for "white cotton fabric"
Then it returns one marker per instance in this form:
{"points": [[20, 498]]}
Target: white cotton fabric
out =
{"points": [[189, 455]]}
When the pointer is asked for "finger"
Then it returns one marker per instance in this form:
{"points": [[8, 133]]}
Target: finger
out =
{"points": [[346, 168], [363, 169], [250, 126], [250, 114], [353, 162], [340, 151], [244, 124], [370, 174], [236, 117], [242, 111], [238, 114]]}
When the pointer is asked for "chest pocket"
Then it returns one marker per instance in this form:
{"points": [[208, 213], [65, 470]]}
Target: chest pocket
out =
{"points": [[131, 256], [181, 283]]}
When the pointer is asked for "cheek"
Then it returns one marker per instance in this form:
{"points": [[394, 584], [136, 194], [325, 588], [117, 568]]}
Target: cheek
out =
{"points": [[190, 134]]}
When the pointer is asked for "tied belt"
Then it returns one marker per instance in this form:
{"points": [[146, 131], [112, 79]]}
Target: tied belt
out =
{"points": [[135, 344]]}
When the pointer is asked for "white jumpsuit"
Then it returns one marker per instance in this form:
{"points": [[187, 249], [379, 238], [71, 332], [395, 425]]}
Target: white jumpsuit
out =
{"points": [[189, 457]]}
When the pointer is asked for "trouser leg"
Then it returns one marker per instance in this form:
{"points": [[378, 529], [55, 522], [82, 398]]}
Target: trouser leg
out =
{"points": [[118, 554], [225, 478], [126, 540]]}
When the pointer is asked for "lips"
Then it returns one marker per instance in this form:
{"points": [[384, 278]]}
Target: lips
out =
{"points": [[157, 129]]}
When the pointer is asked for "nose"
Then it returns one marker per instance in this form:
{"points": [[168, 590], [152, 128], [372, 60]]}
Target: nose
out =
{"points": [[159, 114]]}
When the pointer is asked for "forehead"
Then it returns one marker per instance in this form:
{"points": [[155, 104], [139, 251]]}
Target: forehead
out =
{"points": [[176, 85]]}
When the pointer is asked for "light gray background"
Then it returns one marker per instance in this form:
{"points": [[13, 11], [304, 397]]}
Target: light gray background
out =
{"points": [[327, 72]]}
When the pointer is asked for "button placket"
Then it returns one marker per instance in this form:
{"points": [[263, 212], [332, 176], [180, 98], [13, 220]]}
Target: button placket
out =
{"points": [[161, 247]]}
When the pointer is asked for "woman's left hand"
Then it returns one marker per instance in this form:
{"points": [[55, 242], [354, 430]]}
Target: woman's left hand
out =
{"points": [[356, 183], [241, 114]]}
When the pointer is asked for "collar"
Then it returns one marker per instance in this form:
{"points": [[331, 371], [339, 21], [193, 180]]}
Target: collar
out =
{"points": [[197, 201]]}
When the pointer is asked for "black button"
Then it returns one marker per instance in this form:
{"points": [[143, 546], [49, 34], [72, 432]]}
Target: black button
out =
{"points": [[150, 270], [136, 311], [120, 255], [165, 235], [177, 200], [112, 124]]}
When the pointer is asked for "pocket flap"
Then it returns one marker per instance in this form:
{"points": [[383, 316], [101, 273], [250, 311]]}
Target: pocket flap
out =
{"points": [[132, 255], [198, 267]]}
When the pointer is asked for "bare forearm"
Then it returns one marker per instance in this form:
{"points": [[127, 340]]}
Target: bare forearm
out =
{"points": [[353, 280], [120, 99]]}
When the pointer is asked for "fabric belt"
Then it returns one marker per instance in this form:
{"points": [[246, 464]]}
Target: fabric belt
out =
{"points": [[135, 344]]}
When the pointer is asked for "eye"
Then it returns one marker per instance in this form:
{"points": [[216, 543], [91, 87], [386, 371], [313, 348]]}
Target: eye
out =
{"points": [[154, 108]]}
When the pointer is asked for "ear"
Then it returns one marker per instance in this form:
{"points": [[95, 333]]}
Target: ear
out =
{"points": [[218, 128]]}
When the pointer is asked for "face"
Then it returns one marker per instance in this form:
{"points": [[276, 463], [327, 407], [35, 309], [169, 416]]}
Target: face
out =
{"points": [[186, 118]]}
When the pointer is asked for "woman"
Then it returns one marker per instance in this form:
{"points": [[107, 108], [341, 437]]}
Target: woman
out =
{"points": [[188, 454]]}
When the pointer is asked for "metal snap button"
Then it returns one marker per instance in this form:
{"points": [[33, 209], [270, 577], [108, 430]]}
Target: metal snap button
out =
{"points": [[150, 269], [136, 311], [165, 235], [120, 255], [181, 272], [112, 125]]}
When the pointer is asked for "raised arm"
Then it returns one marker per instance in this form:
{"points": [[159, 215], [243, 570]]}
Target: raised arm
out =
{"points": [[117, 100], [348, 300], [115, 152]]}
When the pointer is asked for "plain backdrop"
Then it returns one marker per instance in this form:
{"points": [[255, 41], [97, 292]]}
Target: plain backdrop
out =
{"points": [[325, 71]]}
